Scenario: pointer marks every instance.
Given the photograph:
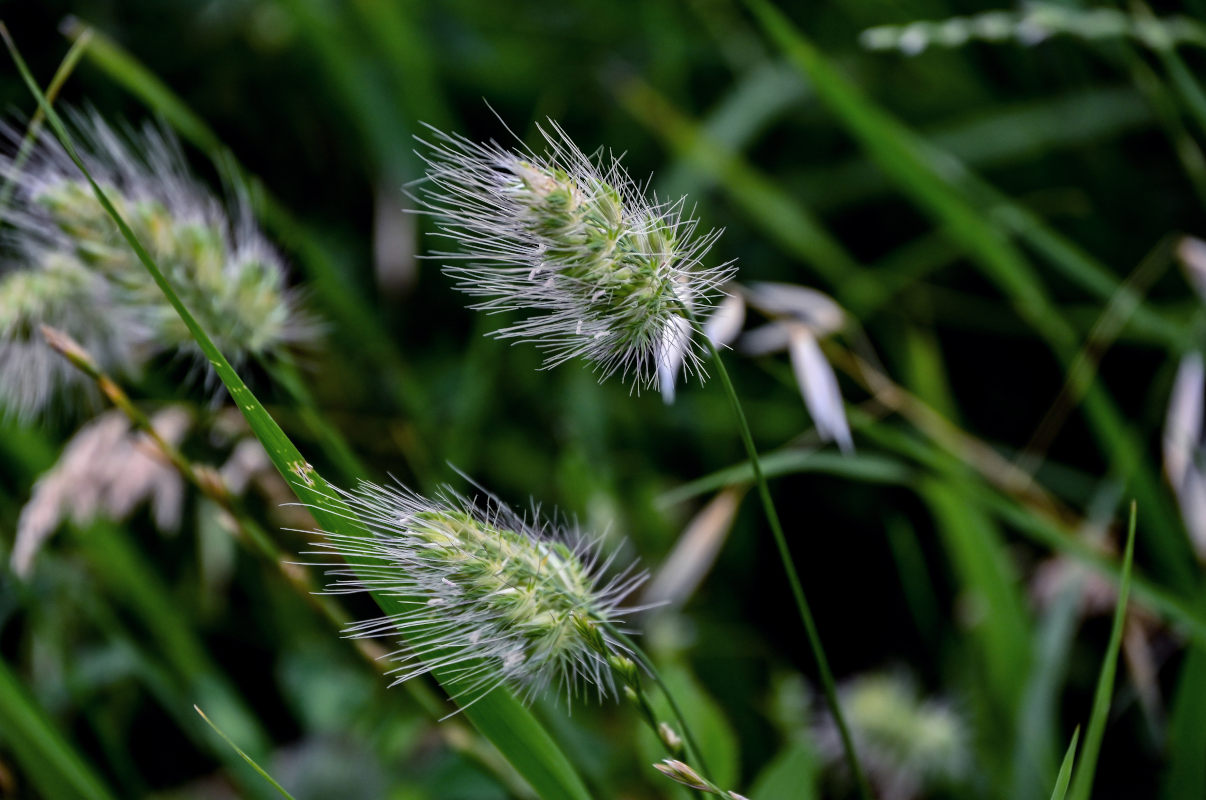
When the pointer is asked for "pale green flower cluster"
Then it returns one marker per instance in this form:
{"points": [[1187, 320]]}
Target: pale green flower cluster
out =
{"points": [[69, 267], [488, 596]]}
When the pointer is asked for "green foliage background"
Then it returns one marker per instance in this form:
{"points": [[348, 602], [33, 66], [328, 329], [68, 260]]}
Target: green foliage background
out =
{"points": [[825, 171]]}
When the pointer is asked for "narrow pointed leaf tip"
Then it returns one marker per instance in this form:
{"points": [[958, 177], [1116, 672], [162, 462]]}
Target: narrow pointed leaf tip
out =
{"points": [[487, 596], [259, 770], [604, 272]]}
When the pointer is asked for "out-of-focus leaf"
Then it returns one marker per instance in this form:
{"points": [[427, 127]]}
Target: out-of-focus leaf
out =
{"points": [[52, 764], [791, 773]]}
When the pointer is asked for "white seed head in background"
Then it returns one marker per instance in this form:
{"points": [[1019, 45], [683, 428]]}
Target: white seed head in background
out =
{"points": [[1184, 449], [604, 272], [106, 470], [486, 596], [909, 746], [66, 264]]}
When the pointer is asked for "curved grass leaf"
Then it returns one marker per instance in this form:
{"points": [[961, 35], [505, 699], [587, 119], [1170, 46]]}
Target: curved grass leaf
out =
{"points": [[498, 715], [859, 467]]}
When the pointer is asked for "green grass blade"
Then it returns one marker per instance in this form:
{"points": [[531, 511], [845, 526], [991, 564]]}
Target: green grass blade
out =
{"points": [[47, 758], [498, 715], [998, 137], [902, 157], [975, 547], [915, 579], [1065, 769], [1056, 536], [867, 467], [1082, 785], [980, 561], [243, 755], [66, 67]]}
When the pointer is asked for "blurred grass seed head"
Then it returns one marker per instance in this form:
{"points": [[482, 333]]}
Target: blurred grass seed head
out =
{"points": [[67, 265], [607, 273], [908, 746]]}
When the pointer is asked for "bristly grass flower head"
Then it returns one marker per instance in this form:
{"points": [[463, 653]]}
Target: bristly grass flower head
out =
{"points": [[64, 294], [489, 596], [606, 272], [92, 286], [910, 746]]}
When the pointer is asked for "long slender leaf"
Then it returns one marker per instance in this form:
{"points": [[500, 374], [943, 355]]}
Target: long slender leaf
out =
{"points": [[975, 547], [1056, 536], [1082, 784], [866, 467], [242, 755], [498, 715]]}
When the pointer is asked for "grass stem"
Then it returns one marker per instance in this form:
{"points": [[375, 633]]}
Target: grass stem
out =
{"points": [[793, 578]]}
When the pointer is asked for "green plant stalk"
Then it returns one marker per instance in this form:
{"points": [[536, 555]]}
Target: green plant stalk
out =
{"points": [[649, 716], [497, 713], [772, 517], [693, 749]]}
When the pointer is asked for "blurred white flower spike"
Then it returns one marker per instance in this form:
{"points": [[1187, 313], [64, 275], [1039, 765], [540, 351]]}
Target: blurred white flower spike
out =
{"points": [[1184, 443], [67, 265], [800, 318], [107, 470], [605, 272], [488, 596], [911, 747]]}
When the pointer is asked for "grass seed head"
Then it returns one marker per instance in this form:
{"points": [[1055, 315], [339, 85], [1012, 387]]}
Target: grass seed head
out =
{"points": [[485, 596], [604, 272], [60, 237]]}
